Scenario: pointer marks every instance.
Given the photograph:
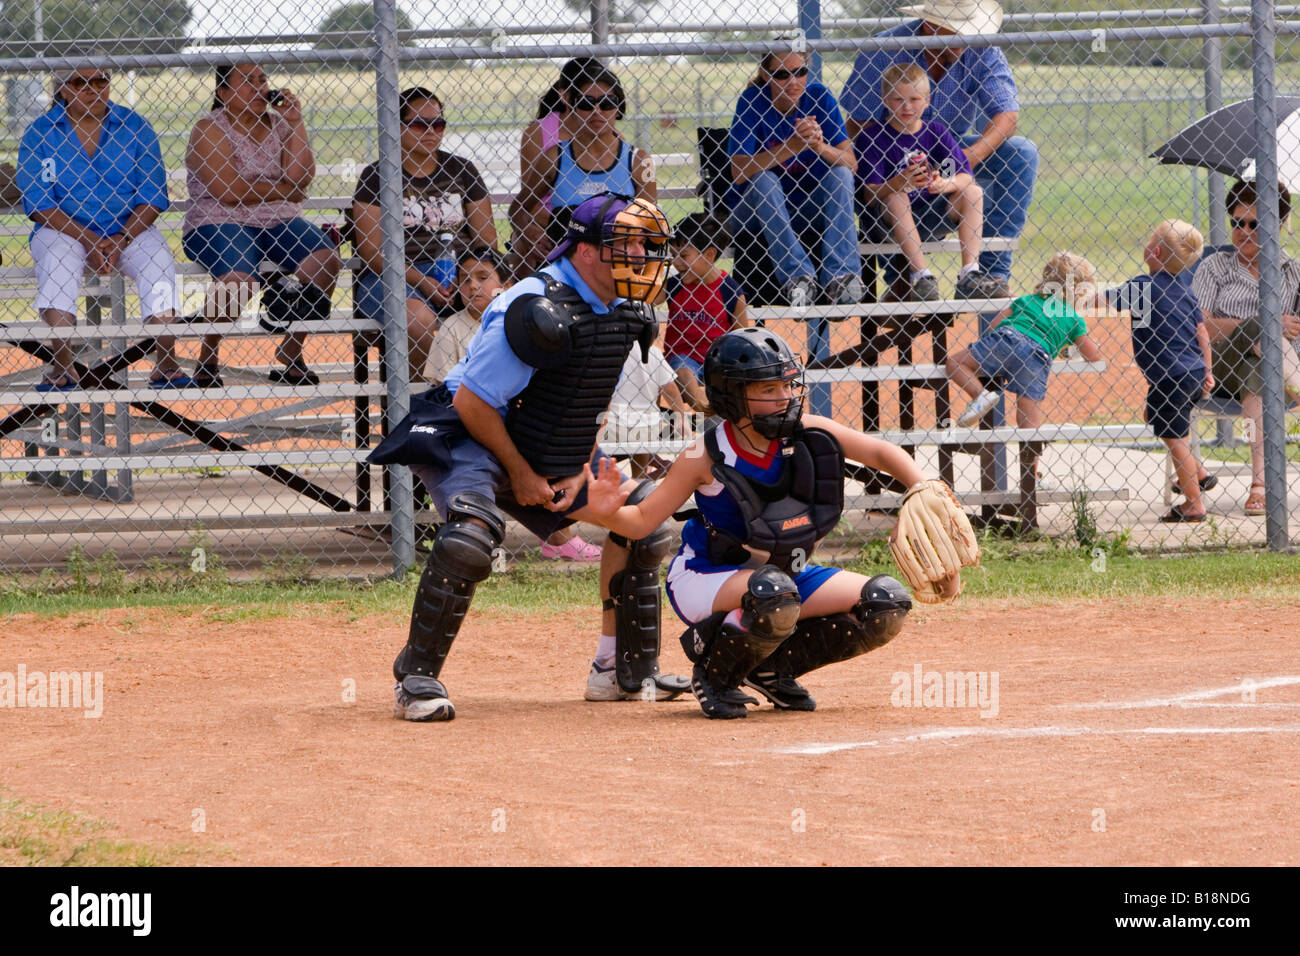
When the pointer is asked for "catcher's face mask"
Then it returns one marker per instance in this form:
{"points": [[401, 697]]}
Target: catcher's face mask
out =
{"points": [[776, 406], [636, 246]]}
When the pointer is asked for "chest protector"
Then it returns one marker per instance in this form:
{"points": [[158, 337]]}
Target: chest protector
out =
{"points": [[788, 517], [579, 357]]}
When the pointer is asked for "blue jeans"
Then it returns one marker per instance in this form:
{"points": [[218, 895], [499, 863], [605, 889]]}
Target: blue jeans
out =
{"points": [[763, 207], [1007, 178]]}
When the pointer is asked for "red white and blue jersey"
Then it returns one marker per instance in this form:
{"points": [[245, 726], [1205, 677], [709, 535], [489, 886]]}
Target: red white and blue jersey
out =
{"points": [[716, 505]]}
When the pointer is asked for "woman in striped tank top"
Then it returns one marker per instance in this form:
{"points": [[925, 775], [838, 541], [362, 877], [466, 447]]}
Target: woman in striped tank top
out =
{"points": [[594, 159]]}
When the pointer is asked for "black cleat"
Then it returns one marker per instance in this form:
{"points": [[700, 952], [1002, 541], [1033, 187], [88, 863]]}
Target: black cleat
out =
{"points": [[785, 693], [721, 705]]}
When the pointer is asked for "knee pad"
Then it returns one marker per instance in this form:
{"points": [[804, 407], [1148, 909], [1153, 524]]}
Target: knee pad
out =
{"points": [[874, 621], [881, 611], [769, 613], [287, 299], [461, 557]]}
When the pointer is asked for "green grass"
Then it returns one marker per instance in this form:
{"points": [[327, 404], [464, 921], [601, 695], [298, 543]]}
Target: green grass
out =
{"points": [[1031, 571], [35, 835]]}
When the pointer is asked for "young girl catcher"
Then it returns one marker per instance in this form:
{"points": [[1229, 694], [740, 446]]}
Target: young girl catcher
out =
{"points": [[768, 485]]}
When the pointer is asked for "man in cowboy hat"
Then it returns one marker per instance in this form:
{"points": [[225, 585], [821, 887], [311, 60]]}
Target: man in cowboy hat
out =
{"points": [[969, 85]]}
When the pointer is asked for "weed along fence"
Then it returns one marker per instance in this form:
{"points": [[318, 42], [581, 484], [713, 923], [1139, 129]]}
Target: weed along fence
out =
{"points": [[226, 423]]}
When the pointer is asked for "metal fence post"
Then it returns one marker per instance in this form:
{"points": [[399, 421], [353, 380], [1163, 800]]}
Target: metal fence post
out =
{"points": [[1212, 55], [394, 276], [810, 24], [1263, 60]]}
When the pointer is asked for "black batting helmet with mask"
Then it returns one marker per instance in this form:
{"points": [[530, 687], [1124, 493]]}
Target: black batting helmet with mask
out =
{"points": [[610, 221], [743, 356]]}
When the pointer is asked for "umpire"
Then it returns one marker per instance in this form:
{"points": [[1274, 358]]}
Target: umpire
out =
{"points": [[510, 430]]}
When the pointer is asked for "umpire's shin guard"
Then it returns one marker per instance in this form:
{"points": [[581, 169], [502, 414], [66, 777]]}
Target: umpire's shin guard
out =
{"points": [[460, 559]]}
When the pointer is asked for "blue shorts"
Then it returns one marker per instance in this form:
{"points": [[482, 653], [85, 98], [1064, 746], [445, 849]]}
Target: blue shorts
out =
{"points": [[368, 292], [1169, 404], [692, 588], [440, 452], [225, 248], [1014, 360]]}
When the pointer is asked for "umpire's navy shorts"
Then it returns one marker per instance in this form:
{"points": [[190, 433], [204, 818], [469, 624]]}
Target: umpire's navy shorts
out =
{"points": [[433, 441]]}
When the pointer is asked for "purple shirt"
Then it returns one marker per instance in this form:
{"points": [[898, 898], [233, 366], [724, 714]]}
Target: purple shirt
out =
{"points": [[882, 152]]}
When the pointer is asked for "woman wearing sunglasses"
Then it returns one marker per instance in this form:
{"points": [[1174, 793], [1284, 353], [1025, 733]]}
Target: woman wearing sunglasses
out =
{"points": [[594, 159], [1227, 289], [792, 165], [446, 210], [248, 166], [555, 123]]}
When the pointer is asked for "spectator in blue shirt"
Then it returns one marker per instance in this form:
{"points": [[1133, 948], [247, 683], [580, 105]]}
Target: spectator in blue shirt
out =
{"points": [[93, 181], [968, 86], [792, 166]]}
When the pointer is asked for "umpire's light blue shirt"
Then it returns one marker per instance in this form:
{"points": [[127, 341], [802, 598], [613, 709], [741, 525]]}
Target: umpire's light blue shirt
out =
{"points": [[976, 87], [99, 192], [490, 368]]}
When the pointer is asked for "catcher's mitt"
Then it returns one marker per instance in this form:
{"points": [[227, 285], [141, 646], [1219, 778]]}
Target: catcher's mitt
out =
{"points": [[933, 541]]}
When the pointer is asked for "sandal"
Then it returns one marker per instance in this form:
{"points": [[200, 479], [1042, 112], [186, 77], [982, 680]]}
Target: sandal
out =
{"points": [[1255, 502], [57, 383], [172, 378], [1206, 484], [1177, 515], [207, 376], [295, 373]]}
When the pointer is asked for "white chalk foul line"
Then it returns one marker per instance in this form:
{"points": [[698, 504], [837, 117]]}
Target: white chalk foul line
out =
{"points": [[1011, 733], [1191, 698]]}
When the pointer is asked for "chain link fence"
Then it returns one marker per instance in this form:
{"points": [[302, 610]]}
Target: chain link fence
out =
{"points": [[201, 341]]}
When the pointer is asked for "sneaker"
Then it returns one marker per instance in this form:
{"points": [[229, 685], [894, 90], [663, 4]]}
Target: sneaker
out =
{"points": [[785, 693], [976, 409], [422, 699], [719, 704], [846, 290], [602, 685], [57, 383], [802, 293], [575, 549], [979, 285], [925, 289]]}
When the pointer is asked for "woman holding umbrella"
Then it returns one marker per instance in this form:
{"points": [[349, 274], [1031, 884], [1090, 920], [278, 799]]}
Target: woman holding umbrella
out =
{"points": [[1227, 288]]}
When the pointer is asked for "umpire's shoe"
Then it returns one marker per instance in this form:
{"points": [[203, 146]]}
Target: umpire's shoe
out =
{"points": [[421, 698], [725, 704], [785, 693]]}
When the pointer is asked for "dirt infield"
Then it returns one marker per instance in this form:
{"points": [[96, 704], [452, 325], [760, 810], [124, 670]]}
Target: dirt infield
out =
{"points": [[1150, 734]]}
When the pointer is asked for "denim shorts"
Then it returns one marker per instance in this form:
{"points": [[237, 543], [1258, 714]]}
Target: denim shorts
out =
{"points": [[1015, 360], [368, 292], [679, 362], [225, 248]]}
